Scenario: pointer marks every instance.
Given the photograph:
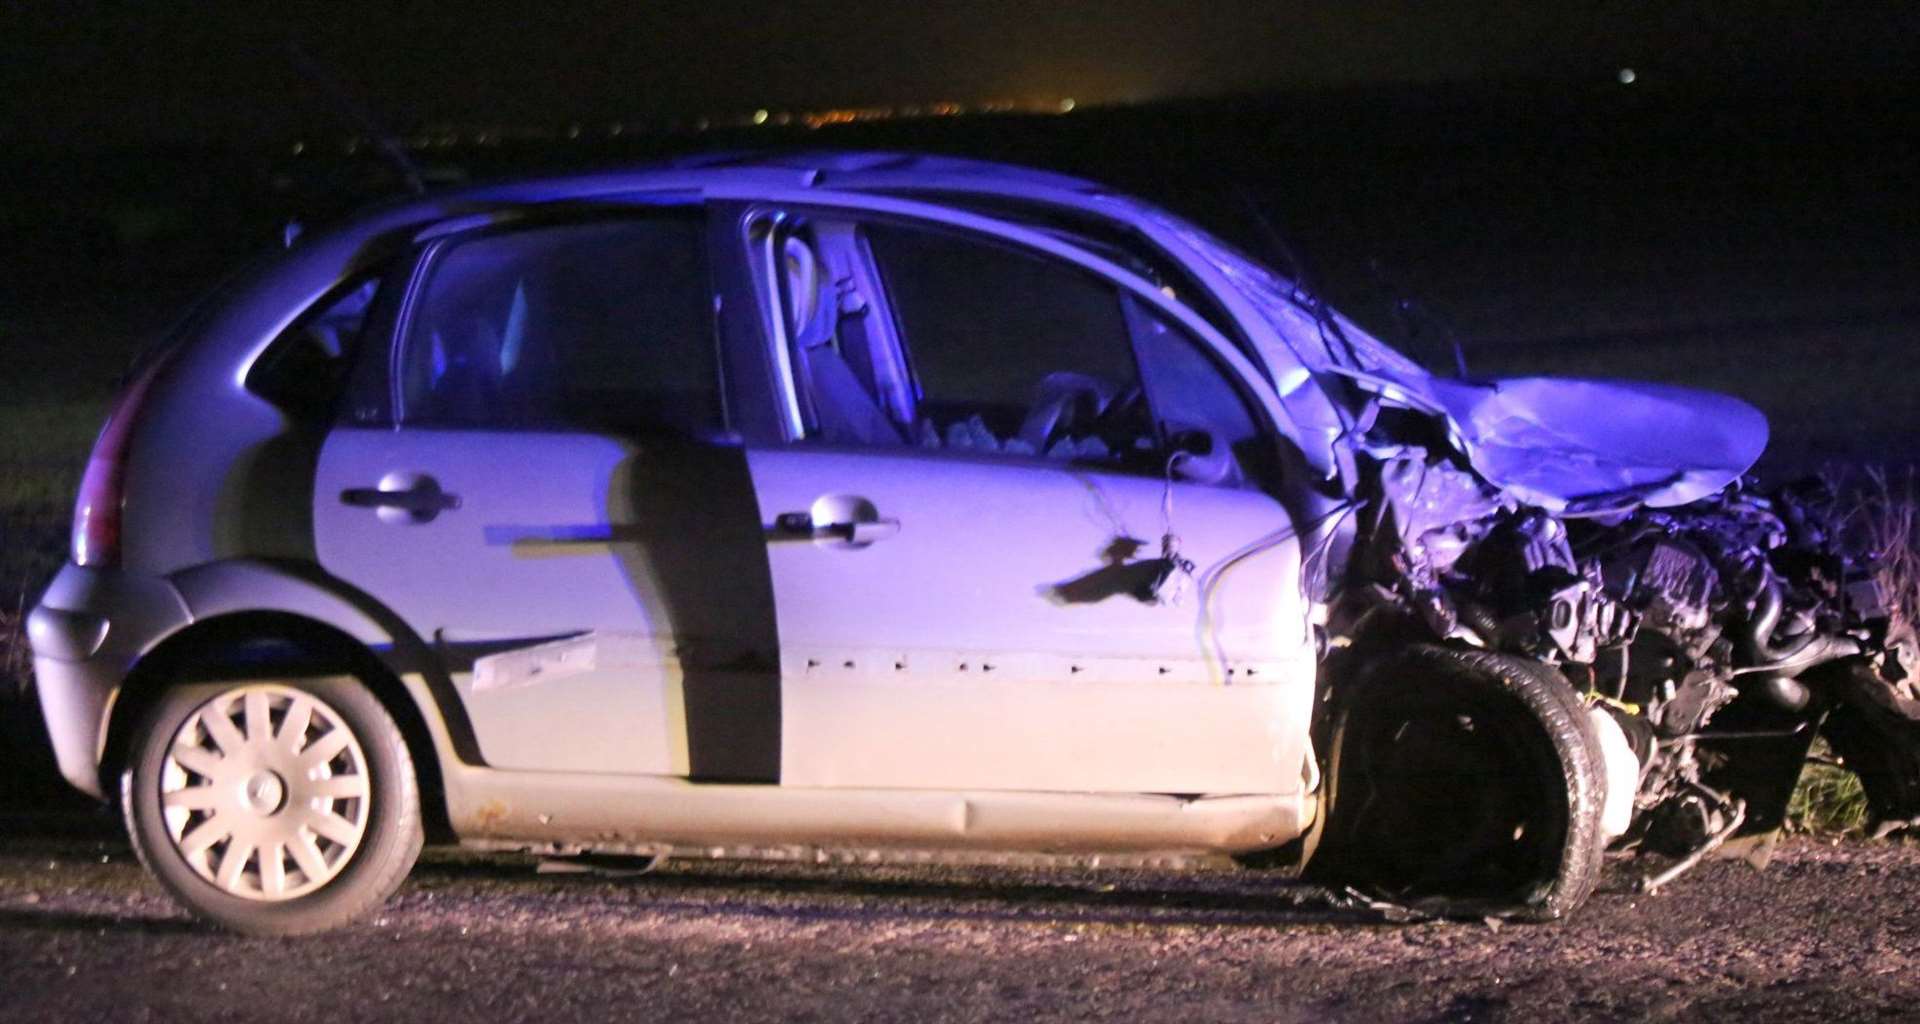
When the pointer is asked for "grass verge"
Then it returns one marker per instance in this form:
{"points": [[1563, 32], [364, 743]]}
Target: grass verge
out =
{"points": [[1829, 800]]}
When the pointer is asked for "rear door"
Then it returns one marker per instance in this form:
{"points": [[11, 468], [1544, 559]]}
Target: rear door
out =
{"points": [[986, 572], [538, 479]]}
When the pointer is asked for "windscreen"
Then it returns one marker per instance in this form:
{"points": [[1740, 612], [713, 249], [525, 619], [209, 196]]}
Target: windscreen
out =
{"points": [[1319, 345]]}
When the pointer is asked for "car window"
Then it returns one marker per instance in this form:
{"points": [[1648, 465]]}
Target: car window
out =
{"points": [[305, 368], [1115, 240], [592, 326], [848, 389], [1010, 352], [1196, 403]]}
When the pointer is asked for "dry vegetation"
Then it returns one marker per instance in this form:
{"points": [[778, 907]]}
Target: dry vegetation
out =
{"points": [[33, 530], [14, 663], [1885, 515], [1880, 510]]}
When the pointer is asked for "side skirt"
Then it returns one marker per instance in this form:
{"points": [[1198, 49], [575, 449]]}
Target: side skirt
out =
{"points": [[873, 856], [602, 813]]}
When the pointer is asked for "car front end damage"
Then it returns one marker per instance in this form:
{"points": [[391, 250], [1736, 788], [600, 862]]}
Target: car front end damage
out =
{"points": [[1575, 581], [1609, 534]]}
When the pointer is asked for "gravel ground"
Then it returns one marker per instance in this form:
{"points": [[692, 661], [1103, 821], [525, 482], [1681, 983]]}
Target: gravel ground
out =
{"points": [[1827, 933]]}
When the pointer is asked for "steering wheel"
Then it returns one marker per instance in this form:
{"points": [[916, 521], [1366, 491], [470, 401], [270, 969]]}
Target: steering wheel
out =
{"points": [[1062, 401]]}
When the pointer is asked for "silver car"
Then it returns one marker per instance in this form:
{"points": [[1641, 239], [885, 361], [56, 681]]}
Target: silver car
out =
{"points": [[914, 508]]}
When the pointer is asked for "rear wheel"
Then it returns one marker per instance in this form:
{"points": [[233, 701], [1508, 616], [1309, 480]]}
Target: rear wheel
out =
{"points": [[273, 807], [1466, 782]]}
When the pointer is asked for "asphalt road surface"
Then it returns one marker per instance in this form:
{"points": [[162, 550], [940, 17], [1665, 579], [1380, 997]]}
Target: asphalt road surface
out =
{"points": [[1827, 933]]}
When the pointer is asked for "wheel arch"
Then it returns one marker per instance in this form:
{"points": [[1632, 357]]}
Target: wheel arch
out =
{"points": [[271, 643], [1521, 690]]}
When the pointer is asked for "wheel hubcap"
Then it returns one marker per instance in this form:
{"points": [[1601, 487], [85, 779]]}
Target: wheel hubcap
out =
{"points": [[264, 791]]}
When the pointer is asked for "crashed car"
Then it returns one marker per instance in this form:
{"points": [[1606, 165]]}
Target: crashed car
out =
{"points": [[901, 507]]}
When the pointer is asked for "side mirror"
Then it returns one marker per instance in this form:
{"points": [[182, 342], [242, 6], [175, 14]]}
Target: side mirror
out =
{"points": [[1195, 442], [1197, 454]]}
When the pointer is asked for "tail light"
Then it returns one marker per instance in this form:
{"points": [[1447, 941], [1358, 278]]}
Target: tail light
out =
{"points": [[97, 511]]}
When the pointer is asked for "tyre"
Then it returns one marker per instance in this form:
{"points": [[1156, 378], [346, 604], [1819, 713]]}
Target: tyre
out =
{"points": [[1464, 782], [273, 807]]}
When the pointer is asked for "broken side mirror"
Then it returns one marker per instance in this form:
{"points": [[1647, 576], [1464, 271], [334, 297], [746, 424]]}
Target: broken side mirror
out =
{"points": [[1197, 454]]}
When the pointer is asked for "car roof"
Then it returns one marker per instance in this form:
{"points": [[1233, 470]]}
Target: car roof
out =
{"points": [[879, 169], [824, 170]]}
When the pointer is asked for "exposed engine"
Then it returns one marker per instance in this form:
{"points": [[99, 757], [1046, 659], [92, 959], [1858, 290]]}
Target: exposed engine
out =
{"points": [[1717, 635]]}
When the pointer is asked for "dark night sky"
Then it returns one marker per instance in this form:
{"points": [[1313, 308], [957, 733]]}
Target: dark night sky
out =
{"points": [[80, 73]]}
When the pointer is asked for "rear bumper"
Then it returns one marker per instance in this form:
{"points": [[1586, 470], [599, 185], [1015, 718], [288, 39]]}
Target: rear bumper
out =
{"points": [[87, 632]]}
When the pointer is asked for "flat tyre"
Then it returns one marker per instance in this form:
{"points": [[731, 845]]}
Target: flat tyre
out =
{"points": [[1464, 782]]}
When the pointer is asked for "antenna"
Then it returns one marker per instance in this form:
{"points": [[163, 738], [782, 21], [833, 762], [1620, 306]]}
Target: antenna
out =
{"points": [[344, 104]]}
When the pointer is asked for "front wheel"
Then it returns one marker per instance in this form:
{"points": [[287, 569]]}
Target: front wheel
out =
{"points": [[273, 807], [1467, 782]]}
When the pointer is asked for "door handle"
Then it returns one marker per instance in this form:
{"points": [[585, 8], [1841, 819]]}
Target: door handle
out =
{"points": [[843, 533], [403, 497]]}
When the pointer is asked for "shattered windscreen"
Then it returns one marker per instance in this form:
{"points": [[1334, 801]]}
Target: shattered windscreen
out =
{"points": [[1329, 343], [1542, 440]]}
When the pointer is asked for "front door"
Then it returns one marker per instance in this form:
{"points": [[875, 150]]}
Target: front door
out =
{"points": [[987, 574], [543, 490]]}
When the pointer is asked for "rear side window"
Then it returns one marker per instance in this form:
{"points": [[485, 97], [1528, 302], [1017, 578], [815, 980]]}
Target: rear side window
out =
{"points": [[304, 369], [604, 326]]}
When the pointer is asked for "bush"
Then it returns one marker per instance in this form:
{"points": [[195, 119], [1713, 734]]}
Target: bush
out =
{"points": [[35, 515], [1879, 509], [1882, 509]]}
